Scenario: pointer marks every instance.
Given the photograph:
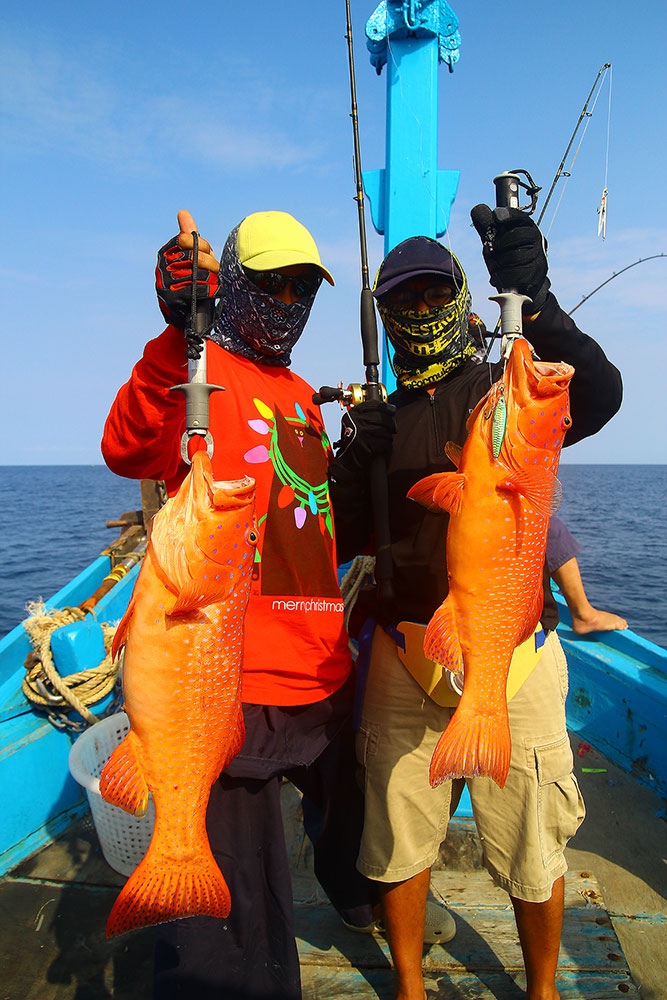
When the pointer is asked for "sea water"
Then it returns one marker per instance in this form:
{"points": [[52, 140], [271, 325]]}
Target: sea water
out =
{"points": [[53, 523]]}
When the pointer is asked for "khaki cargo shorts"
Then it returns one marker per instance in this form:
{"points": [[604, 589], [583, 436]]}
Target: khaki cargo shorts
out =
{"points": [[523, 827]]}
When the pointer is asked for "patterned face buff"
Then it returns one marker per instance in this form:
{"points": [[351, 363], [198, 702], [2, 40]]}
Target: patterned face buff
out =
{"points": [[253, 323], [429, 344]]}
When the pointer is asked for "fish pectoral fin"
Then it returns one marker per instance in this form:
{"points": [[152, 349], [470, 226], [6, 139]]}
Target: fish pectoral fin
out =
{"points": [[188, 598], [120, 634], [122, 781], [533, 616], [453, 452], [441, 491], [441, 642], [539, 487]]}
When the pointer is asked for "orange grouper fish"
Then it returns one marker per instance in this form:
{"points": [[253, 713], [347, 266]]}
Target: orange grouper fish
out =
{"points": [[183, 636], [499, 503]]}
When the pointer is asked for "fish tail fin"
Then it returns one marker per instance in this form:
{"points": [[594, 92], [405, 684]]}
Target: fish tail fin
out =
{"points": [[161, 889], [472, 746]]}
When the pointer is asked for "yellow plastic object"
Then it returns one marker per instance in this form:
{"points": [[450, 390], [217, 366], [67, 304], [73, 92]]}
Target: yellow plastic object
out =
{"points": [[431, 676]]}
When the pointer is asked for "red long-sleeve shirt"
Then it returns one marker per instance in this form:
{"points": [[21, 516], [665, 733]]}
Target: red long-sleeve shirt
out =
{"points": [[264, 425]]}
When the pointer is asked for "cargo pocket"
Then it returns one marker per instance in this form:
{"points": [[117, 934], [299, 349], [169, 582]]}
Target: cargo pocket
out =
{"points": [[560, 805]]}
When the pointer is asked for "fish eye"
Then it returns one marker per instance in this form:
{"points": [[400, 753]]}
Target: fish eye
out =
{"points": [[566, 421], [251, 536]]}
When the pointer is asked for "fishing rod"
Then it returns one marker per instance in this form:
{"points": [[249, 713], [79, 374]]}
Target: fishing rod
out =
{"points": [[197, 390], [615, 275], [372, 389], [584, 112]]}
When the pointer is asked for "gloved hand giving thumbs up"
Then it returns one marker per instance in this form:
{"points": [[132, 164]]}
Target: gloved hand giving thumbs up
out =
{"points": [[173, 273]]}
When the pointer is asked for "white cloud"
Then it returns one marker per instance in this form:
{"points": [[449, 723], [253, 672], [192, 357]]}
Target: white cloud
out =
{"points": [[51, 101]]}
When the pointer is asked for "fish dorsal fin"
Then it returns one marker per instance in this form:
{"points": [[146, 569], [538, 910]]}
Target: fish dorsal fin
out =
{"points": [[453, 453], [539, 487], [441, 491]]}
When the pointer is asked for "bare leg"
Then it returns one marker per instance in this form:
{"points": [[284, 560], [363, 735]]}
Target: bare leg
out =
{"points": [[585, 618], [539, 926], [404, 905]]}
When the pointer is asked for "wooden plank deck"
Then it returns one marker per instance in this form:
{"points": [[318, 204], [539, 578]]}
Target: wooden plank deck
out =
{"points": [[54, 946], [484, 959], [53, 910]]}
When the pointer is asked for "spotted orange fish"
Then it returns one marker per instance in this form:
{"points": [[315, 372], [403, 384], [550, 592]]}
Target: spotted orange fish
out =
{"points": [[183, 637], [500, 501]]}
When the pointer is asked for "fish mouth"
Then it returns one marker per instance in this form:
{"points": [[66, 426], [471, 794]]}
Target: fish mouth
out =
{"points": [[558, 372], [224, 494], [537, 378], [230, 494]]}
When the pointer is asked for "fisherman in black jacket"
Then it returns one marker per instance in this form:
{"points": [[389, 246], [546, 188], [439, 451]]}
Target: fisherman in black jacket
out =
{"points": [[424, 303]]}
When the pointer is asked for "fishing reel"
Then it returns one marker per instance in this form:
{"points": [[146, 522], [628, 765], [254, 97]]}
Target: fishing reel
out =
{"points": [[352, 396]]}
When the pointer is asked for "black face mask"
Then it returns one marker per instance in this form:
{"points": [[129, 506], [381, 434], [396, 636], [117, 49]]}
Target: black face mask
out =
{"points": [[253, 323], [429, 344]]}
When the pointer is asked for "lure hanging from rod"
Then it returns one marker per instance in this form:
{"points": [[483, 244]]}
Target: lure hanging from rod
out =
{"points": [[602, 215]]}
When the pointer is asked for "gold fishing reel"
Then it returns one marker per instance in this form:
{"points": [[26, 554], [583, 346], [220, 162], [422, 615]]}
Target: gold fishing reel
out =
{"points": [[353, 395]]}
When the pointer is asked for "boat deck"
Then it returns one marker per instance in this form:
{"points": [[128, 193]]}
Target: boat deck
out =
{"points": [[53, 910]]}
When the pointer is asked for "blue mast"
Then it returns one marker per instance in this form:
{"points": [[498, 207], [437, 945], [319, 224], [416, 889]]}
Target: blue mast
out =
{"points": [[410, 196]]}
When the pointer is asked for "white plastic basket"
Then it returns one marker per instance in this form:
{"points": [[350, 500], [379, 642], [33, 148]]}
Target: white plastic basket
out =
{"points": [[124, 838]]}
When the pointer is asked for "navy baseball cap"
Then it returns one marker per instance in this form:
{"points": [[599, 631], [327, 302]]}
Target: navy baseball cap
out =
{"points": [[417, 255]]}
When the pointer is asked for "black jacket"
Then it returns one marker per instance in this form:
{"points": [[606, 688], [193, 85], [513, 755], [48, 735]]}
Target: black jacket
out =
{"points": [[425, 423]]}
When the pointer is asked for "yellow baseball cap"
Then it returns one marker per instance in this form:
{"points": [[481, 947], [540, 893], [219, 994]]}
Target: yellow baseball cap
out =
{"points": [[267, 241]]}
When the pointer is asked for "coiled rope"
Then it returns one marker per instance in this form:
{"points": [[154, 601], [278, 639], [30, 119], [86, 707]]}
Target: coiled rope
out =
{"points": [[360, 573], [45, 688]]}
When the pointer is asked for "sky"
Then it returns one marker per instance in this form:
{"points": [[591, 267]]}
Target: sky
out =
{"points": [[113, 116]]}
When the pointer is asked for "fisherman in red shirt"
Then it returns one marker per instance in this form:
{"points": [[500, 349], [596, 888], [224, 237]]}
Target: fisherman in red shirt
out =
{"points": [[297, 685]]}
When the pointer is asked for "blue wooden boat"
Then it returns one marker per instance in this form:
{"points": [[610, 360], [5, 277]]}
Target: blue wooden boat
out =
{"points": [[617, 713], [42, 798]]}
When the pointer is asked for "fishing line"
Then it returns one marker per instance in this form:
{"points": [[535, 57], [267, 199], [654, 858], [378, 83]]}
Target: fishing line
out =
{"points": [[606, 159], [602, 210]]}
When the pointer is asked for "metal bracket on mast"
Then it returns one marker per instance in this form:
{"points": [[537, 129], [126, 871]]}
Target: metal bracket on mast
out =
{"points": [[415, 18]]}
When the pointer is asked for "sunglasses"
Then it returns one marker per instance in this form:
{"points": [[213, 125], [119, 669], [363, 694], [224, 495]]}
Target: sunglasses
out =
{"points": [[406, 298], [274, 282]]}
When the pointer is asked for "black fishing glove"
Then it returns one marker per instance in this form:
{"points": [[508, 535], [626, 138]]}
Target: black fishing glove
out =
{"points": [[367, 430], [173, 283], [515, 253]]}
